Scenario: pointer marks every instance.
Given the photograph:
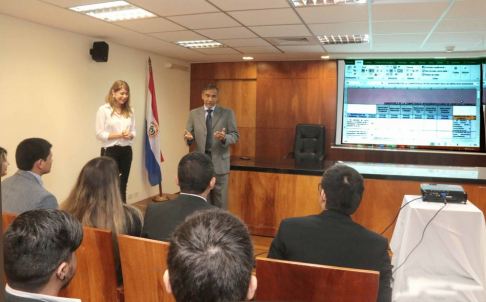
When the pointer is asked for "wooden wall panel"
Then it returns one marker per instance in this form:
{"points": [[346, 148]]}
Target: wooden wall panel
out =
{"points": [[204, 71], [235, 71], [283, 70], [246, 143], [282, 103], [274, 142], [239, 95]]}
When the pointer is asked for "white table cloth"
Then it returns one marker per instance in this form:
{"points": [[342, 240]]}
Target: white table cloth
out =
{"points": [[449, 264]]}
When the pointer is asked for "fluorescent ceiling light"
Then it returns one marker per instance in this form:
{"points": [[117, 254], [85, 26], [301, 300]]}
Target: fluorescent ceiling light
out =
{"points": [[200, 44], [301, 3], [324, 57], [247, 58], [343, 39], [113, 11]]}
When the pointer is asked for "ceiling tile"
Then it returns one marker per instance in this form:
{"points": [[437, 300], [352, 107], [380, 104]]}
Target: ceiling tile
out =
{"points": [[396, 47], [347, 48], [174, 36], [467, 9], [266, 17], [306, 48], [150, 25], [218, 51], [399, 38], [402, 27], [334, 14], [227, 33], [281, 31], [256, 50], [71, 3], [440, 47], [462, 25], [455, 38], [408, 11], [214, 20], [357, 28], [229, 5], [245, 42], [175, 7]]}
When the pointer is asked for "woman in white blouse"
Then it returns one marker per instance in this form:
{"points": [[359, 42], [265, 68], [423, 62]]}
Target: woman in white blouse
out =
{"points": [[115, 128]]}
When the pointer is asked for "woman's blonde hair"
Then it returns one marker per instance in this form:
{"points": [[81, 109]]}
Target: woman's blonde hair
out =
{"points": [[96, 201], [126, 110]]}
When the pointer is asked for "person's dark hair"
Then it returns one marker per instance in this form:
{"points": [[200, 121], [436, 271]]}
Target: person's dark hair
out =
{"points": [[195, 172], [35, 244], [31, 150], [344, 188], [210, 258], [3, 153], [210, 87]]}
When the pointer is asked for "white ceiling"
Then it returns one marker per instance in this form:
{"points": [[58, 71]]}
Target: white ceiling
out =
{"points": [[397, 28]]}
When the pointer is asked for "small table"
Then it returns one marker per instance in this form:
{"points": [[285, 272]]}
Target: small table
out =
{"points": [[450, 262]]}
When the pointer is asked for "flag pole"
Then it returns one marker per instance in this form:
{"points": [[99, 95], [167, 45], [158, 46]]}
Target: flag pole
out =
{"points": [[153, 155]]}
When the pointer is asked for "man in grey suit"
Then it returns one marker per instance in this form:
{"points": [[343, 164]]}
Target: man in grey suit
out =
{"points": [[213, 128], [195, 178], [24, 190]]}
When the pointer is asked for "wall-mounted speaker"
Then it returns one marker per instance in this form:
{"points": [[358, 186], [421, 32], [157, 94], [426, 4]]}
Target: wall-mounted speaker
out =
{"points": [[99, 52]]}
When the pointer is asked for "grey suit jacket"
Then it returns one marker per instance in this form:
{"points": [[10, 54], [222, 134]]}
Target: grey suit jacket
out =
{"points": [[222, 118], [22, 192]]}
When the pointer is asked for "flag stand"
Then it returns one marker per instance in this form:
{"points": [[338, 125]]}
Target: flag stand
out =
{"points": [[161, 197]]}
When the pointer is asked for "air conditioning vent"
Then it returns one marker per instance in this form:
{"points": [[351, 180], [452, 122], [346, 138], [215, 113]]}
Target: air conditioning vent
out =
{"points": [[293, 41]]}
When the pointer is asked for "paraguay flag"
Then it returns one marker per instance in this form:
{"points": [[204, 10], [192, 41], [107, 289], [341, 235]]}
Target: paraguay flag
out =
{"points": [[153, 156]]}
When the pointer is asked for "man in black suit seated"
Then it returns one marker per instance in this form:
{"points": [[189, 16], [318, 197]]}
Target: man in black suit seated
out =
{"points": [[39, 255], [332, 238], [195, 177], [211, 259]]}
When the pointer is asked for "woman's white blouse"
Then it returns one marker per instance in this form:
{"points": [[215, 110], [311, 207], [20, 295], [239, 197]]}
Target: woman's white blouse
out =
{"points": [[107, 123]]}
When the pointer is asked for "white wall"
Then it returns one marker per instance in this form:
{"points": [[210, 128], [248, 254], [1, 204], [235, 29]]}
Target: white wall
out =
{"points": [[51, 88]]}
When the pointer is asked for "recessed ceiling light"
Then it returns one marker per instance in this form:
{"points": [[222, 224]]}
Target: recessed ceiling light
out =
{"points": [[324, 57], [449, 49], [247, 58], [300, 3], [113, 11], [200, 44], [343, 39]]}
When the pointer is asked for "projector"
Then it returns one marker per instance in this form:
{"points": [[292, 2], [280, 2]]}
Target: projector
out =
{"points": [[441, 193]]}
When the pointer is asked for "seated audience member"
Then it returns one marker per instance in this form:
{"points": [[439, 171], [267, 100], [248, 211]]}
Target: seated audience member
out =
{"points": [[332, 238], [210, 259], [3, 162], [24, 190], [96, 201], [195, 178], [39, 255]]}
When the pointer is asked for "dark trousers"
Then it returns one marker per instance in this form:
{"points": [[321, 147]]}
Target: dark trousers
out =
{"points": [[123, 157]]}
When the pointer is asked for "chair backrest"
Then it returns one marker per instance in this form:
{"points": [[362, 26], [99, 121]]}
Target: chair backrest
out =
{"points": [[144, 262], [7, 219], [309, 142], [95, 278], [294, 281]]}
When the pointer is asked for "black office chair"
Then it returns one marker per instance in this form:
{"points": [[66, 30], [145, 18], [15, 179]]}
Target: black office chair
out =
{"points": [[309, 143]]}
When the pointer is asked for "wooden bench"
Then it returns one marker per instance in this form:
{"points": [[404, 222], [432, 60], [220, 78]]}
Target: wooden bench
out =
{"points": [[295, 281], [144, 262], [7, 219], [95, 279]]}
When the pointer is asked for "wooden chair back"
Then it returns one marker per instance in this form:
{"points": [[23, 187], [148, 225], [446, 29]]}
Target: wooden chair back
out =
{"points": [[95, 278], [7, 219], [144, 262], [295, 281]]}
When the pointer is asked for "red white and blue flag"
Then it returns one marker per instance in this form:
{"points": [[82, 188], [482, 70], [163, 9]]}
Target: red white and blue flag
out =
{"points": [[153, 155]]}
